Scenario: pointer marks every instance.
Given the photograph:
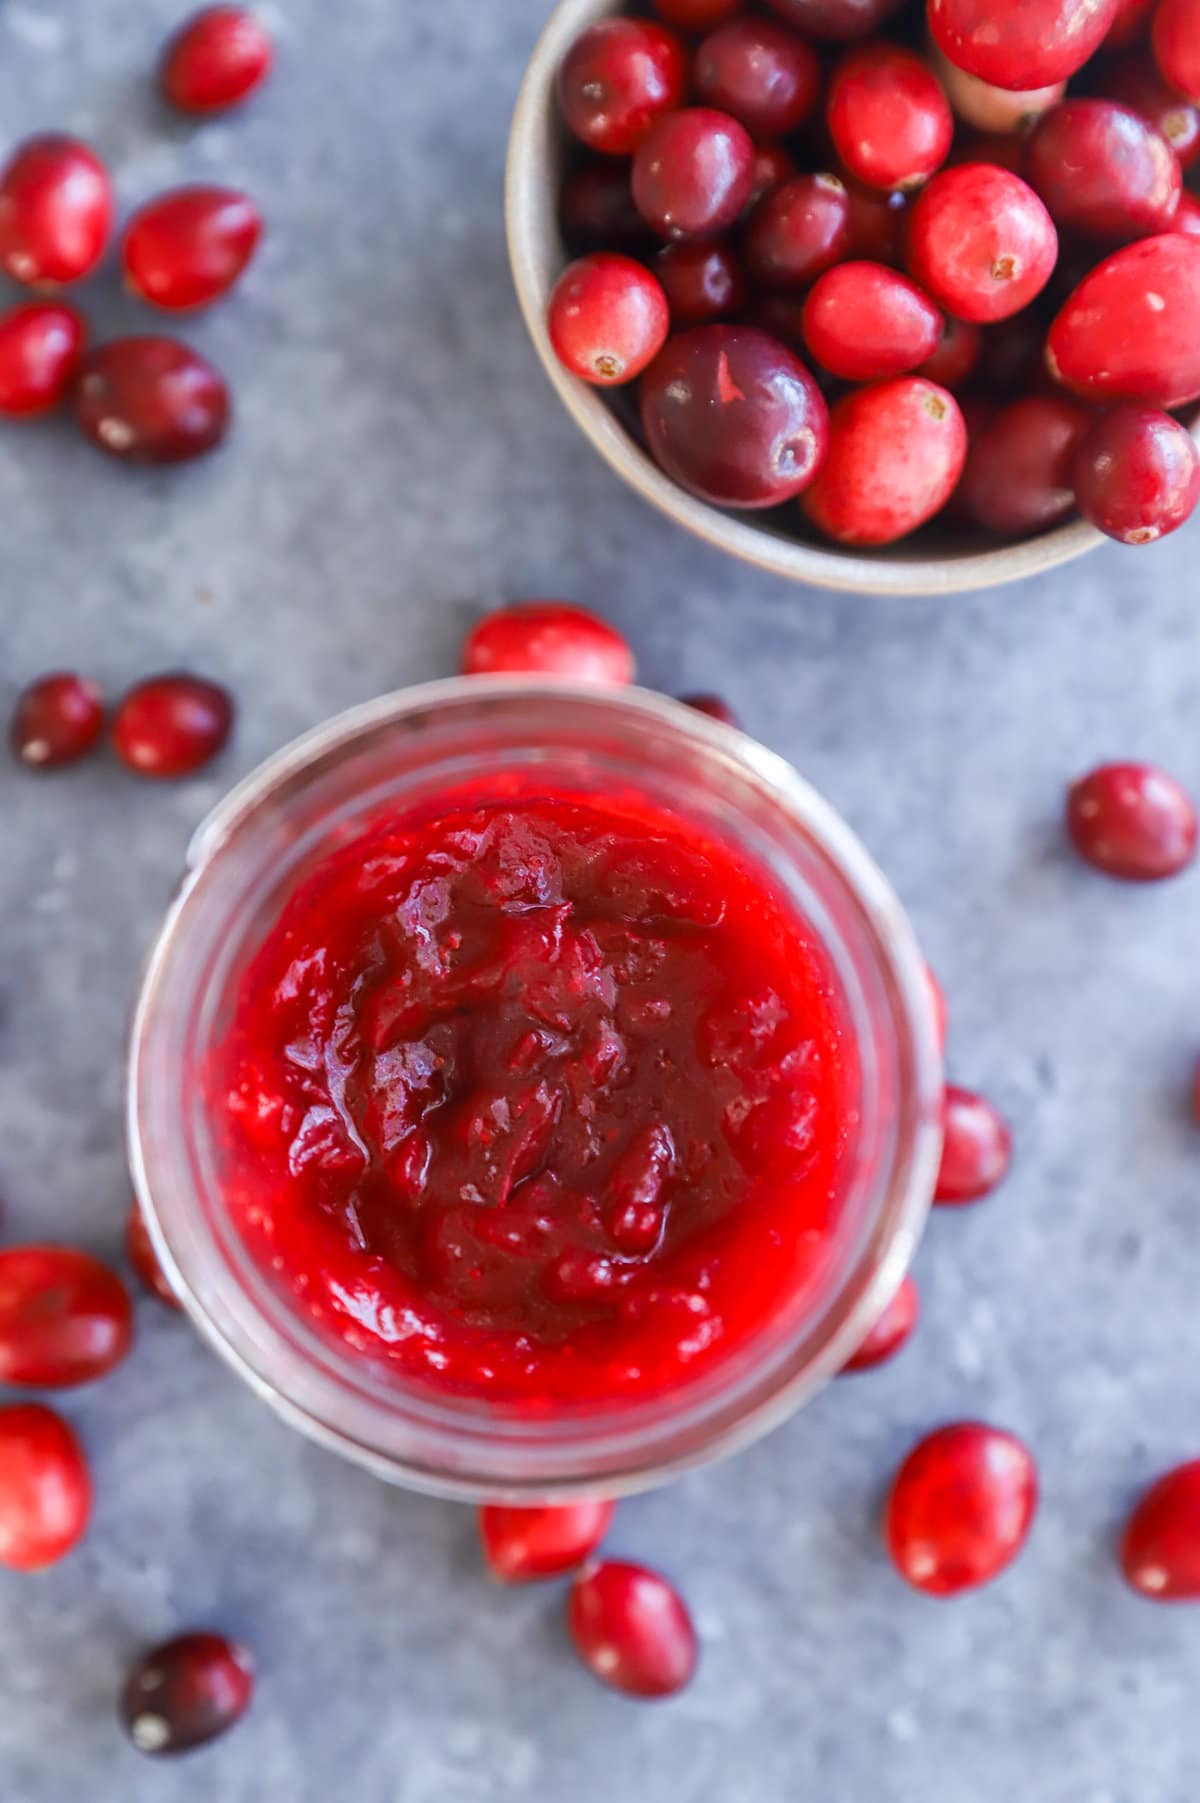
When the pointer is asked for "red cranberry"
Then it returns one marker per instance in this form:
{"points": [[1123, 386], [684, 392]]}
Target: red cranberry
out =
{"points": [[171, 725], [889, 119], [215, 60], [617, 78], [772, 165], [998, 111], [953, 361], [1132, 821], [1104, 172], [895, 455], [692, 172], [702, 279], [607, 319], [838, 21], [761, 73], [1020, 43], [57, 720], [1020, 470], [892, 1330], [782, 316], [186, 1692], [139, 1250], [1137, 474], [698, 15], [632, 1629], [863, 321], [734, 417], [522, 1544], [189, 247], [1187, 217], [548, 638], [1128, 331], [45, 1488], [64, 1317], [596, 208], [1129, 22], [56, 207], [41, 344], [878, 225], [960, 1508], [976, 1148], [1160, 1551], [1175, 35], [1138, 85], [981, 242], [151, 400], [714, 707], [797, 230]]}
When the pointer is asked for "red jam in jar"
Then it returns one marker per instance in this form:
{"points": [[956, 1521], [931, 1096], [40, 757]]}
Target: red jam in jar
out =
{"points": [[539, 1096]]}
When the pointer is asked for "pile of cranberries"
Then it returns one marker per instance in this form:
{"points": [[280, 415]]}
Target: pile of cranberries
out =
{"points": [[895, 276], [147, 398]]}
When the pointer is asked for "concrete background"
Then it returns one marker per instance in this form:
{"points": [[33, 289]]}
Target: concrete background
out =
{"points": [[399, 464]]}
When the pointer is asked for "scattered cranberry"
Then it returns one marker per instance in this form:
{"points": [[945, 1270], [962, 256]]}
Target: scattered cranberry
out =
{"points": [[837, 21], [797, 230], [772, 165], [1175, 35], [186, 1692], [139, 1250], [890, 122], [981, 242], [892, 1330], [215, 60], [976, 1148], [56, 207], [45, 1488], [189, 247], [692, 172], [1129, 22], [58, 719], [761, 73], [548, 638], [632, 1629], [734, 417], [1137, 474], [1138, 85], [171, 725], [523, 1544], [64, 1317], [960, 1508], [1160, 1551], [41, 344], [698, 15], [1103, 171], [702, 280], [878, 224], [1132, 821], [1020, 43], [714, 707], [896, 452], [608, 318], [151, 400], [863, 321], [597, 209], [1020, 470], [953, 361], [1003, 111], [1129, 329], [617, 78]]}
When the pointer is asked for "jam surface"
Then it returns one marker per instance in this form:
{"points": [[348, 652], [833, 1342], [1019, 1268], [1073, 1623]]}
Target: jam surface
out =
{"points": [[546, 1098]]}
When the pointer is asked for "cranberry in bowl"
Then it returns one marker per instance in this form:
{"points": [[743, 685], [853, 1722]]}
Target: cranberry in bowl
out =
{"points": [[534, 1089]]}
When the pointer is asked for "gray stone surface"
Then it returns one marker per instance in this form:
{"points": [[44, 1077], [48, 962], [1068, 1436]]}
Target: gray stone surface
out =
{"points": [[398, 464]]}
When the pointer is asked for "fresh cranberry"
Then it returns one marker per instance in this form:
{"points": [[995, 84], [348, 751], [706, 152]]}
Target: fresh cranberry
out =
{"points": [[151, 400], [215, 60], [863, 321], [1020, 470], [45, 1487], [981, 242], [940, 1012], [596, 208], [960, 1508], [1137, 474], [702, 279], [797, 230], [892, 1330], [1104, 172], [692, 172], [171, 725], [976, 1148], [1020, 43], [618, 77], [890, 122], [714, 707], [734, 417], [548, 638], [186, 1692], [1137, 84], [57, 719], [41, 344], [522, 1544], [1175, 35], [1128, 332], [837, 21], [1160, 1550], [761, 73], [781, 316], [1132, 821], [895, 455], [955, 356], [632, 1629], [139, 1250], [56, 207], [772, 165], [698, 15], [1129, 22], [64, 1317], [1187, 216], [189, 247], [607, 318], [996, 111], [878, 225]]}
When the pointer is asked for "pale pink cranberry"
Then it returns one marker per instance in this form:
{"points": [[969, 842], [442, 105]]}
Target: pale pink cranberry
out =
{"points": [[961, 1507], [632, 1629], [1132, 821], [991, 109], [607, 318], [1137, 474], [58, 719], [981, 243], [523, 1544], [896, 452], [893, 1329], [548, 638], [186, 1693], [1160, 1549], [888, 117], [45, 1488], [976, 1148]]}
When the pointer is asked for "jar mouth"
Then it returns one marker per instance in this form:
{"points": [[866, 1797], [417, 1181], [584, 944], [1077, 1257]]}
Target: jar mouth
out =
{"points": [[245, 857]]}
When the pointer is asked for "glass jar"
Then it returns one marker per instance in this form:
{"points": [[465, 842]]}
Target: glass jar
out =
{"points": [[404, 750]]}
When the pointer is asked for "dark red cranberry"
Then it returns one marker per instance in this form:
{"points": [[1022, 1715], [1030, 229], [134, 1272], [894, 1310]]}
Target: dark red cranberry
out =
{"points": [[1020, 43], [782, 316], [878, 224], [1104, 172], [1128, 332], [734, 417], [189, 247], [186, 1692], [1160, 1550], [761, 73], [692, 172], [597, 210], [45, 1488], [863, 321], [976, 1148], [618, 77], [1020, 470], [702, 279], [836, 21], [698, 15], [215, 60], [41, 344], [139, 1250], [151, 400], [1000, 113], [541, 1542], [960, 1508], [1137, 84], [548, 638], [1132, 821], [1175, 35], [632, 1629], [607, 318], [896, 452], [171, 725], [980, 242], [64, 1317], [1010, 355], [1007, 150], [953, 361], [57, 719], [1130, 20], [56, 207], [772, 165], [714, 707], [892, 1330], [797, 230], [890, 122], [1137, 474]]}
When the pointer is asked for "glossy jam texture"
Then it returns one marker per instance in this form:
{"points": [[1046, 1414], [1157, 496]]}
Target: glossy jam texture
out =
{"points": [[547, 1098]]}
